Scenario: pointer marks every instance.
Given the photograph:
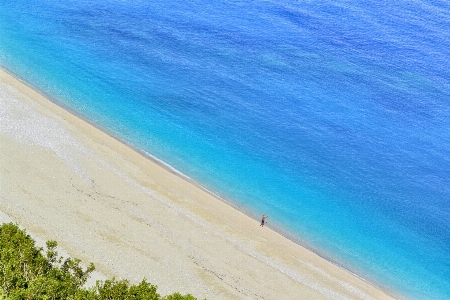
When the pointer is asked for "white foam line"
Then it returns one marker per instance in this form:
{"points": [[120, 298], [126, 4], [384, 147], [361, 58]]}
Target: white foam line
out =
{"points": [[330, 294], [40, 130]]}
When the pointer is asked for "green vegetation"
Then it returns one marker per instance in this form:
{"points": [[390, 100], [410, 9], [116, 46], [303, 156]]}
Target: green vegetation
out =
{"points": [[26, 272]]}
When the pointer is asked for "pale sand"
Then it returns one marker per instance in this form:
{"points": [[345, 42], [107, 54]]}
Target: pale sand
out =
{"points": [[63, 179]]}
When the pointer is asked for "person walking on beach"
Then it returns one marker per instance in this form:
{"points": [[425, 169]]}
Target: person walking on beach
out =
{"points": [[264, 217]]}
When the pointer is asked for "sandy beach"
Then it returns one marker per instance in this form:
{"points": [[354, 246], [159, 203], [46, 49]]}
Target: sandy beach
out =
{"points": [[63, 179]]}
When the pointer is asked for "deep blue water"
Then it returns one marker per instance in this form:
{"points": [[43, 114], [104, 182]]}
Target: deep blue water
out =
{"points": [[331, 117]]}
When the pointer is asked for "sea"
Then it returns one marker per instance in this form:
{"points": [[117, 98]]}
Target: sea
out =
{"points": [[331, 117]]}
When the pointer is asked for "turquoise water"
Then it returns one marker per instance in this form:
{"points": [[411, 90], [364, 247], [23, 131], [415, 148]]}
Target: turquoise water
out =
{"points": [[331, 117]]}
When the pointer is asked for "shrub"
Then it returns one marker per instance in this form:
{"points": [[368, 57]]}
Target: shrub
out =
{"points": [[27, 273]]}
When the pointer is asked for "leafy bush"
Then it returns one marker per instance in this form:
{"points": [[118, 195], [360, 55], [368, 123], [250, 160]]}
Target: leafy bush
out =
{"points": [[27, 273]]}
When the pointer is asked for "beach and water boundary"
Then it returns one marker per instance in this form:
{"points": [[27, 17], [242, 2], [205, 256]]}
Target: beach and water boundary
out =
{"points": [[261, 252], [330, 117]]}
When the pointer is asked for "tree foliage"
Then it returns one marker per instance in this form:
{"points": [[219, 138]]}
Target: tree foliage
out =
{"points": [[26, 272]]}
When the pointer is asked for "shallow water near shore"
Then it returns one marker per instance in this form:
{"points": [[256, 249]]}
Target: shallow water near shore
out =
{"points": [[333, 119]]}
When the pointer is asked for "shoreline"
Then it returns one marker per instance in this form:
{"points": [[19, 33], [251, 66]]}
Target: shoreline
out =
{"points": [[283, 232], [143, 153], [124, 149]]}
